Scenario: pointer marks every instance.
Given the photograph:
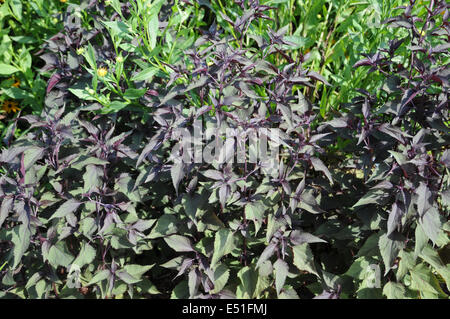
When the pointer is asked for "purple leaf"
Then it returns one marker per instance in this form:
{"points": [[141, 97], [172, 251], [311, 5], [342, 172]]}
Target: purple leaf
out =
{"points": [[55, 78]]}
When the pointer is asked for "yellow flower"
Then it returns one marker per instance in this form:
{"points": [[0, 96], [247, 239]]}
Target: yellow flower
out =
{"points": [[16, 84], [102, 72], [10, 106], [80, 51], [63, 1]]}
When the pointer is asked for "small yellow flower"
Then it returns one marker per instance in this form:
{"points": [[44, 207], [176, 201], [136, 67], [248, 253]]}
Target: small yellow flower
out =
{"points": [[63, 1], [16, 83], [10, 106], [101, 72], [80, 51], [422, 33]]}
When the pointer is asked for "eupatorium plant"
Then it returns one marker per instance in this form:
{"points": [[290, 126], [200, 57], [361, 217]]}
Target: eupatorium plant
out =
{"points": [[400, 136]]}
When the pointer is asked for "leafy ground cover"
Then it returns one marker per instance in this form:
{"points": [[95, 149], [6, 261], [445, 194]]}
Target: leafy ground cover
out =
{"points": [[102, 196]]}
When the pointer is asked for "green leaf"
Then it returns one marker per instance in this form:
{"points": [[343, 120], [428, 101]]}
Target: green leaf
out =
{"points": [[85, 160], [390, 247], [166, 225], [6, 69], [421, 240], [431, 224], [445, 196], [423, 199], [262, 284], [89, 55], [39, 289], [115, 106], [266, 254], [119, 28], [100, 276], [369, 293], [373, 196], [281, 271], [16, 9], [288, 293], [153, 28], [127, 278], [17, 94], [137, 270], [133, 94], [320, 166], [192, 205], [181, 291], [21, 237], [297, 41], [248, 277], [370, 246], [153, 22], [407, 262], [24, 39], [223, 244], [255, 212], [145, 75], [358, 268], [92, 178], [68, 207], [221, 275], [179, 243], [145, 286], [177, 173], [423, 280], [7, 204], [304, 258], [193, 282], [82, 94], [431, 256], [59, 255], [31, 155], [33, 280], [85, 256], [399, 157], [88, 226], [308, 202], [197, 83], [393, 290]]}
